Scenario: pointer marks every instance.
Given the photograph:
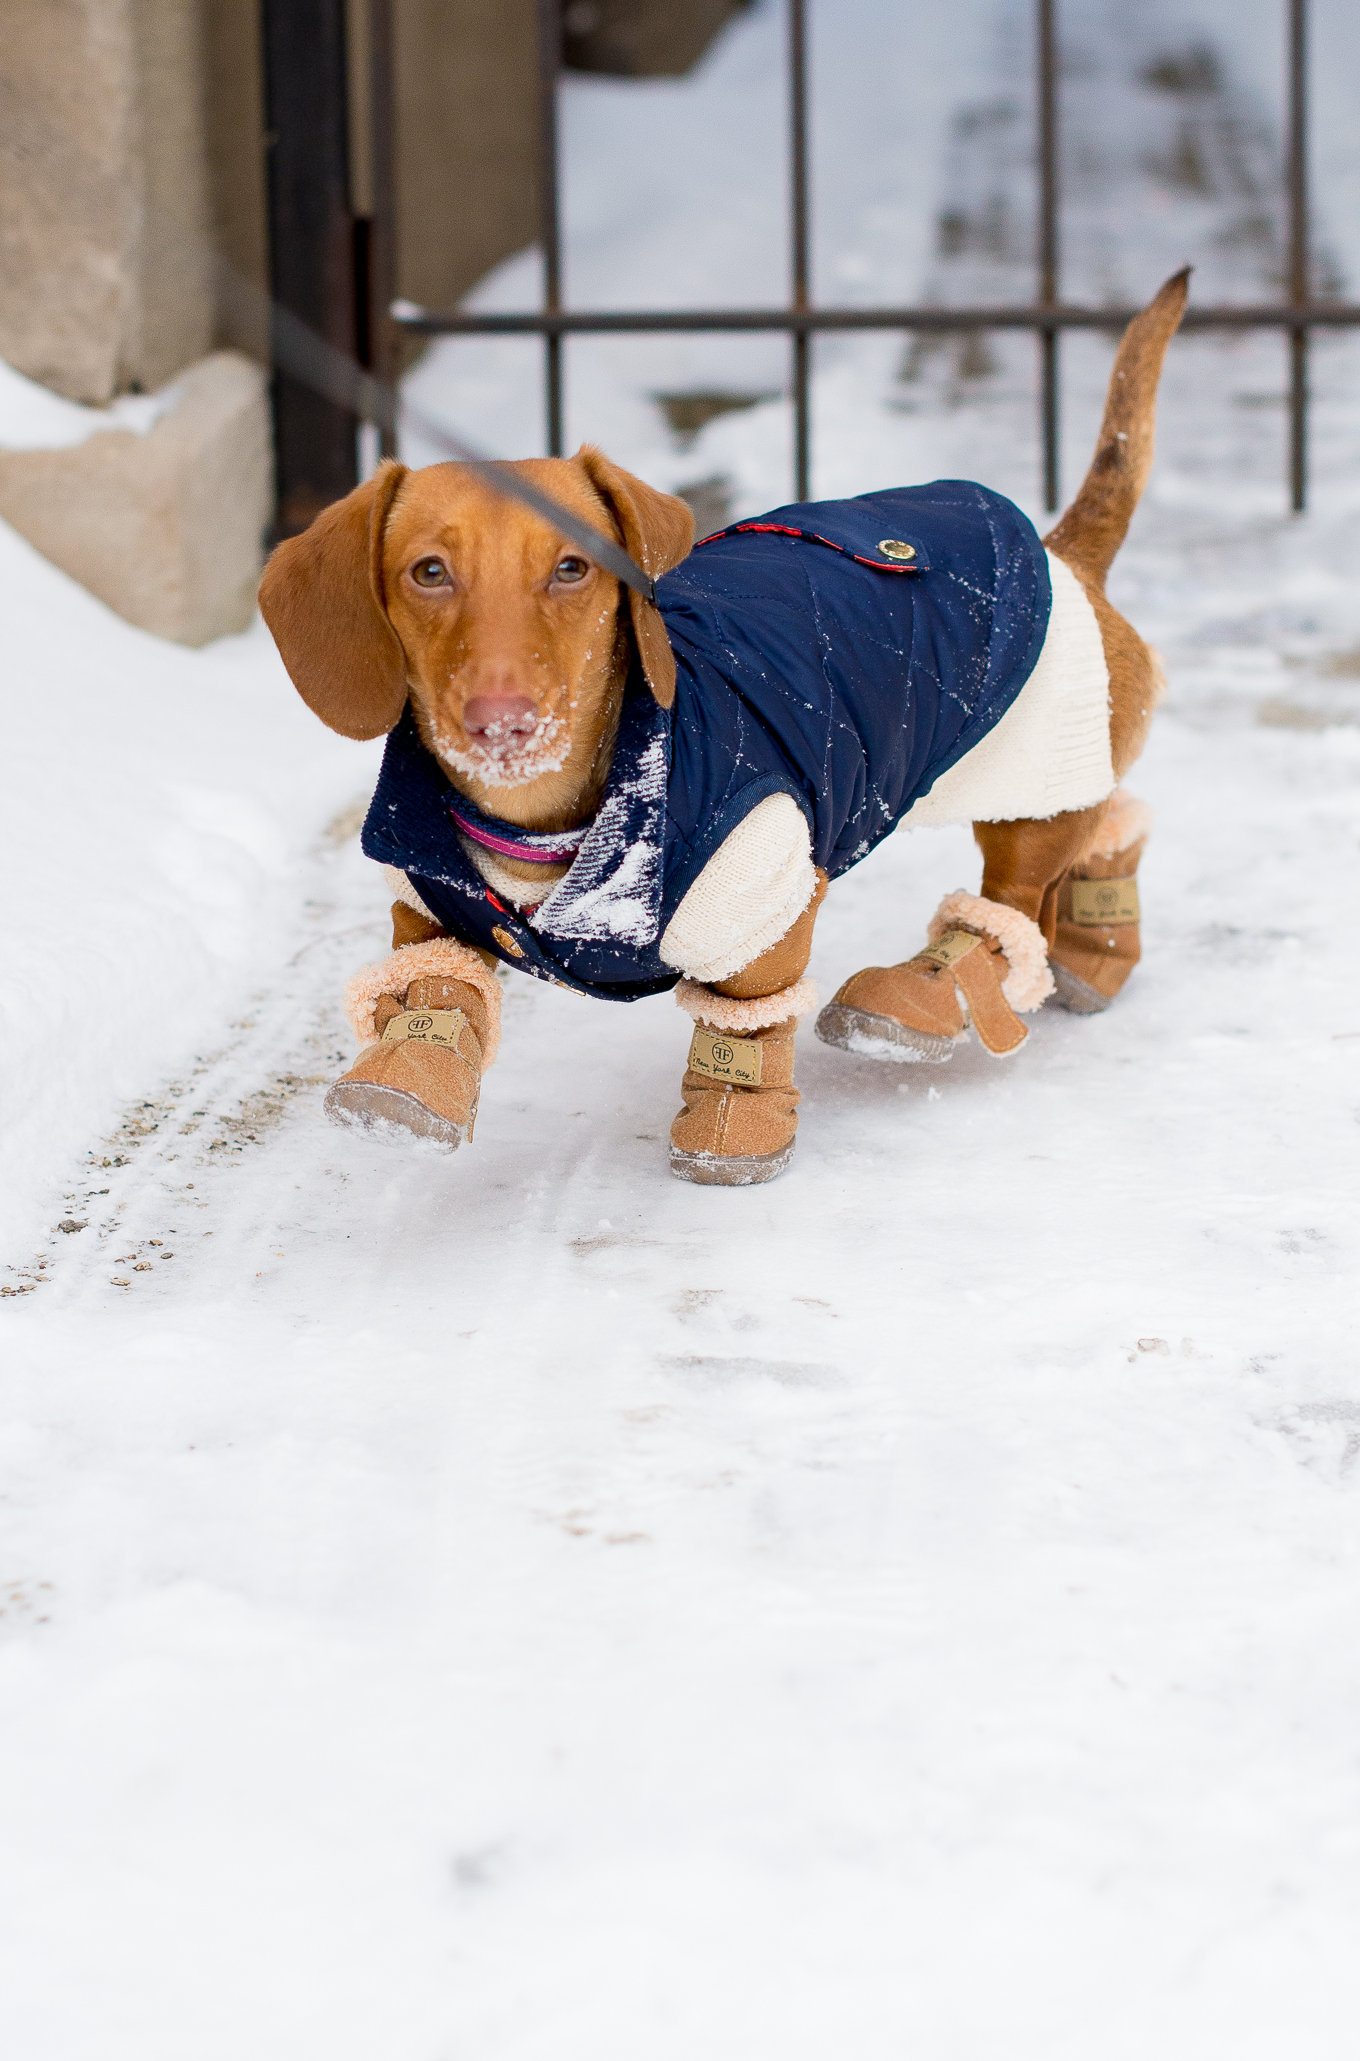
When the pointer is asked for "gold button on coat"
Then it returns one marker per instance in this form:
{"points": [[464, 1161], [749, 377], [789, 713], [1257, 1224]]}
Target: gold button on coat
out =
{"points": [[507, 943], [893, 547]]}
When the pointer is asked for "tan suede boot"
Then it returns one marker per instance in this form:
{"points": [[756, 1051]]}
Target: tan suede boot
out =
{"points": [[433, 1022], [1096, 945], [984, 963], [741, 1108]]}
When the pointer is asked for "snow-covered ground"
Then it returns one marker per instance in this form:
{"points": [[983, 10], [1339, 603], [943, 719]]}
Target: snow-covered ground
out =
{"points": [[521, 1606]]}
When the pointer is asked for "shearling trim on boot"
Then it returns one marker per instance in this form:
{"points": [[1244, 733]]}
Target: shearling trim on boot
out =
{"points": [[445, 959], [1029, 982], [1125, 822], [724, 1012]]}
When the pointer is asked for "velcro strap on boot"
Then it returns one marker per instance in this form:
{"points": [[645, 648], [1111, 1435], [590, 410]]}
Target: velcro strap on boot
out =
{"points": [[977, 980], [996, 1023], [720, 1058], [949, 949], [1109, 902], [426, 1027]]}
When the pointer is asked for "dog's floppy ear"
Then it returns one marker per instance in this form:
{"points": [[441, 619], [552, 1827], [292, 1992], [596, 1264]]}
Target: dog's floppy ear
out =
{"points": [[322, 598], [658, 531]]}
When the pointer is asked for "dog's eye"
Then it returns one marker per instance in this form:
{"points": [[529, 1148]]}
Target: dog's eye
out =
{"points": [[568, 571], [430, 572]]}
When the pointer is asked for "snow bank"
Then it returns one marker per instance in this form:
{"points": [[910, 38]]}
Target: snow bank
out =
{"points": [[32, 418], [152, 802]]}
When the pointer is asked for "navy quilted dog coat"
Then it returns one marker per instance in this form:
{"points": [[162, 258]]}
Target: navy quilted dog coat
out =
{"points": [[843, 652]]}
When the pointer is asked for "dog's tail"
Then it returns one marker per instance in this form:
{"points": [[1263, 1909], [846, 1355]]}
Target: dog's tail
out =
{"points": [[1094, 527]]}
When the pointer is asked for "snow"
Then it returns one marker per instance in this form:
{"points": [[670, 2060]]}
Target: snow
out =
{"points": [[155, 802], [523, 1605], [33, 418]]}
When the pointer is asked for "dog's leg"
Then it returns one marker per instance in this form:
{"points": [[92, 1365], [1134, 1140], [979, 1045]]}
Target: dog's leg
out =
{"points": [[1035, 930], [428, 1018], [740, 1113], [986, 964], [412, 927], [987, 959], [1057, 915], [1076, 877], [1096, 943], [1023, 864]]}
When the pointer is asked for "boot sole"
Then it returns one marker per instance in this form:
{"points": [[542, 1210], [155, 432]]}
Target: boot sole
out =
{"points": [[729, 1170], [366, 1106], [881, 1037], [1071, 992]]}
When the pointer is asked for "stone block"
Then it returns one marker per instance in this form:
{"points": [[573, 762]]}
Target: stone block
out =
{"points": [[167, 527], [105, 260], [642, 39]]}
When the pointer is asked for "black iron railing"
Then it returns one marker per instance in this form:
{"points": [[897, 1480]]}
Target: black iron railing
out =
{"points": [[1048, 316]]}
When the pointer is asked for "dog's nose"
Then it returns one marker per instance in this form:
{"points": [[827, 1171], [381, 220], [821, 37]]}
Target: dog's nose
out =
{"points": [[499, 715]]}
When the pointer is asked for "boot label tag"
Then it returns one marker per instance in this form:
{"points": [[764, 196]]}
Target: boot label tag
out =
{"points": [[1105, 901], [426, 1027], [726, 1059], [949, 949]]}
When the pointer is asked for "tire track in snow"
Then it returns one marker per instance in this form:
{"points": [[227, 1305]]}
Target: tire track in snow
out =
{"points": [[167, 1156]]}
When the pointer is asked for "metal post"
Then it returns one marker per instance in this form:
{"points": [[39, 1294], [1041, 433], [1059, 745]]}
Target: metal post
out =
{"points": [[1297, 176], [1048, 243], [311, 243], [798, 226], [926, 321], [382, 246], [550, 232]]}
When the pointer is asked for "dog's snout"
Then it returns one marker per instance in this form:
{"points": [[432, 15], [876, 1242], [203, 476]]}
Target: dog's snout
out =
{"points": [[499, 715]]}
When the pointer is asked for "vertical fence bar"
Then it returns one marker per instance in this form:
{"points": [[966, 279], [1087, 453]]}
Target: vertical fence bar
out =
{"points": [[798, 227], [550, 228], [382, 249], [1048, 243], [311, 244], [1297, 176]]}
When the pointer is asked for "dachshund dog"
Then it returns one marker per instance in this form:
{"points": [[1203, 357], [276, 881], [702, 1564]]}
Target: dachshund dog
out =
{"points": [[626, 795]]}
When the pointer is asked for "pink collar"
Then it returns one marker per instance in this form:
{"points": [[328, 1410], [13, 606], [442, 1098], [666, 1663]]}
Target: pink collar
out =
{"points": [[547, 849]]}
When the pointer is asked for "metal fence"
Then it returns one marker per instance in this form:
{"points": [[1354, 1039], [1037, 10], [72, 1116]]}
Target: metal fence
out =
{"points": [[1048, 316]]}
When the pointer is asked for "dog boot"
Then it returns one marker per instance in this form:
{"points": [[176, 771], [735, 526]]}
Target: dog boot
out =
{"points": [[1096, 945], [429, 1018], [741, 1108], [984, 964]]}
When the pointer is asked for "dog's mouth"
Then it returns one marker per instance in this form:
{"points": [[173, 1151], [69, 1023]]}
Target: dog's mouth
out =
{"points": [[503, 747]]}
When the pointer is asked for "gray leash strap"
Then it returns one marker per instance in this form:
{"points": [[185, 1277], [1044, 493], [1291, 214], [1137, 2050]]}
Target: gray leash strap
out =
{"points": [[308, 358]]}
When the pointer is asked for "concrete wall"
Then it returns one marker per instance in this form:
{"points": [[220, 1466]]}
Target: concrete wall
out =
{"points": [[132, 150], [108, 213], [171, 320], [132, 145], [234, 133], [104, 250], [642, 39], [467, 127], [467, 118]]}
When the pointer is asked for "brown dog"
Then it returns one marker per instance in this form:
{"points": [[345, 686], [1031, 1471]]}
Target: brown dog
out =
{"points": [[514, 651]]}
